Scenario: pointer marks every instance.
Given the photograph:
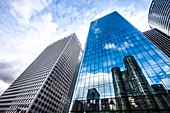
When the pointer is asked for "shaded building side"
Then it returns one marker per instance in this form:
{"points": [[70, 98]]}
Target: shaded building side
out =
{"points": [[159, 39]]}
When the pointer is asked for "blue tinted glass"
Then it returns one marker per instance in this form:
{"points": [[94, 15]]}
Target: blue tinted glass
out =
{"points": [[110, 39]]}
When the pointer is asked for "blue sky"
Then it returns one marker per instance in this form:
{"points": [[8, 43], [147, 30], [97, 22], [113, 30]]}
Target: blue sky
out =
{"points": [[27, 27]]}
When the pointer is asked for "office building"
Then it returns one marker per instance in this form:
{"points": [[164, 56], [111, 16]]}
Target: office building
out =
{"points": [[132, 91], [47, 85], [159, 15], [159, 39], [109, 40], [93, 94], [162, 96], [159, 88]]}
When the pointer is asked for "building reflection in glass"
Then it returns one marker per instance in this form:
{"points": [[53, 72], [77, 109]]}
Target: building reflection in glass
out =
{"points": [[93, 94], [162, 96], [132, 91], [132, 94], [93, 103]]}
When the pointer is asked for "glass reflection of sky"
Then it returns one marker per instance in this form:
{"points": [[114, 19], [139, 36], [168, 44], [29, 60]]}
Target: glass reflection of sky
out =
{"points": [[110, 39]]}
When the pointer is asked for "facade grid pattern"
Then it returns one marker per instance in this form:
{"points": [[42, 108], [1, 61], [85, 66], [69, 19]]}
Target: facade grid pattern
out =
{"points": [[159, 39], [109, 40], [45, 85]]}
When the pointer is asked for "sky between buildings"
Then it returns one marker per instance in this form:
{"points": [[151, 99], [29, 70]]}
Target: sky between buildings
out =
{"points": [[27, 27]]}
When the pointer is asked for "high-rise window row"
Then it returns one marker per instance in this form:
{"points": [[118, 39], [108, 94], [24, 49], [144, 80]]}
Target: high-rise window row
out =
{"points": [[159, 39], [110, 39], [47, 85], [159, 15]]}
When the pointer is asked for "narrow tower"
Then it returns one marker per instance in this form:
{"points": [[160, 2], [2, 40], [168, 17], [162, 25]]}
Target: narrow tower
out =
{"points": [[159, 16], [132, 91]]}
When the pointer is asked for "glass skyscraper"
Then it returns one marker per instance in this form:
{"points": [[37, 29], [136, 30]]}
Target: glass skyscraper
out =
{"points": [[159, 15], [47, 85], [110, 39]]}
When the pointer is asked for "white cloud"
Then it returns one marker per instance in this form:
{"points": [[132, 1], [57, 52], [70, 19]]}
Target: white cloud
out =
{"points": [[44, 25], [3, 86], [97, 30], [124, 46], [110, 46], [137, 16], [22, 10], [95, 79]]}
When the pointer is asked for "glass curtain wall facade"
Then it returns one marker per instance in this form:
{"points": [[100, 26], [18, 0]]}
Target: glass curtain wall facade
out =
{"points": [[159, 15], [109, 40], [132, 91], [47, 85]]}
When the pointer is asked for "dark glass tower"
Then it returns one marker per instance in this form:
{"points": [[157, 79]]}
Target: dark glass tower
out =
{"points": [[109, 40], [159, 88], [132, 91], [47, 85], [159, 39], [159, 15]]}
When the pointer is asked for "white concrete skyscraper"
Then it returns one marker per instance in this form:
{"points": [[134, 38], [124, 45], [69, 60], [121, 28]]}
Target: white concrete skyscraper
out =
{"points": [[46, 86]]}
